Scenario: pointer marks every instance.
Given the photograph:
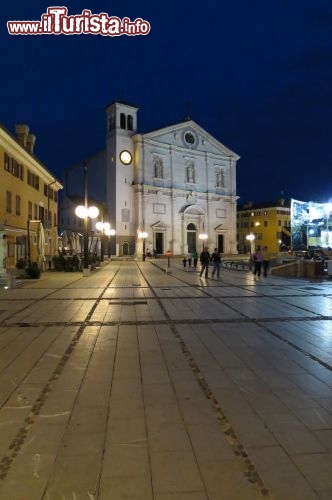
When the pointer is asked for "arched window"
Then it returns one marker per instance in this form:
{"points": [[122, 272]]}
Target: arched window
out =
{"points": [[123, 121], [191, 227], [129, 122]]}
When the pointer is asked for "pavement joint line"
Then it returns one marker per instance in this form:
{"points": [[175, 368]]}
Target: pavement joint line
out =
{"points": [[246, 465], [20, 438], [168, 321], [299, 349], [220, 299]]}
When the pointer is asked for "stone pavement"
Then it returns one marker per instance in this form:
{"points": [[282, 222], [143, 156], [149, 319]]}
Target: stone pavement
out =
{"points": [[138, 384]]}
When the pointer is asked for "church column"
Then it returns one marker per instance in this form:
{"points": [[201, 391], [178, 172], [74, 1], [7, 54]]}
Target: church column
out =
{"points": [[172, 204], [208, 229], [184, 245]]}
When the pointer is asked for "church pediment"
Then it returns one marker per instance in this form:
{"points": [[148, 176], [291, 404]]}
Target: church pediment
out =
{"points": [[189, 135], [192, 210], [158, 225]]}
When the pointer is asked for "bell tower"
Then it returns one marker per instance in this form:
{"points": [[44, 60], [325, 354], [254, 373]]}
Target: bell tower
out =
{"points": [[121, 122]]}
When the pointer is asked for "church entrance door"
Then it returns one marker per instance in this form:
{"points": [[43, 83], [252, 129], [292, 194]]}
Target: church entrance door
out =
{"points": [[191, 237], [160, 242]]}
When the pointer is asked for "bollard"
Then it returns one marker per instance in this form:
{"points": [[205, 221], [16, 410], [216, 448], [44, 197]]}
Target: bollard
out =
{"points": [[11, 280]]}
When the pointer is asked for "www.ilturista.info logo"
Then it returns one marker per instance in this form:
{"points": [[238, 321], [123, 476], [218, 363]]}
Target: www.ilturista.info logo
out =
{"points": [[57, 22]]}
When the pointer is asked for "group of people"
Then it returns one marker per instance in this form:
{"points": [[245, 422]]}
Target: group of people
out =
{"points": [[261, 260], [205, 259]]}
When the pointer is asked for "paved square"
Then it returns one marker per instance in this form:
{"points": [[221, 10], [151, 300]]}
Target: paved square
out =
{"points": [[138, 384]]}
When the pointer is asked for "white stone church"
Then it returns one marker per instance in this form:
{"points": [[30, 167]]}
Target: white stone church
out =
{"points": [[174, 183]]}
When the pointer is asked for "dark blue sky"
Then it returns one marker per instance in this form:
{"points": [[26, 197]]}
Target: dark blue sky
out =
{"points": [[257, 75]]}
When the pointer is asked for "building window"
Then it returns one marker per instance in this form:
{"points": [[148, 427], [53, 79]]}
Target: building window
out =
{"points": [[18, 205], [30, 210], [158, 167], [220, 179], [130, 122], [33, 180], [123, 121], [8, 202], [35, 206], [20, 172], [265, 223], [11, 165], [189, 138], [6, 162]]}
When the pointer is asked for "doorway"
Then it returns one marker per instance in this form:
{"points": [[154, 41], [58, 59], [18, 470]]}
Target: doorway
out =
{"points": [[159, 243], [191, 237], [125, 248], [221, 243]]}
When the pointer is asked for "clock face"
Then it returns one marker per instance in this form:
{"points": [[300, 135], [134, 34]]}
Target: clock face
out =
{"points": [[125, 157]]}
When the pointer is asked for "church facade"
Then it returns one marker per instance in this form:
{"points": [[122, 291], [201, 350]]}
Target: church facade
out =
{"points": [[174, 185]]}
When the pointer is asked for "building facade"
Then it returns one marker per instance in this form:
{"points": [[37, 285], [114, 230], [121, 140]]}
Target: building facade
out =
{"points": [[28, 201], [264, 224], [174, 183]]}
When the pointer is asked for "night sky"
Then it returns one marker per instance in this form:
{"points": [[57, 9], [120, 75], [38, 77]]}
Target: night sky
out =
{"points": [[256, 75]]}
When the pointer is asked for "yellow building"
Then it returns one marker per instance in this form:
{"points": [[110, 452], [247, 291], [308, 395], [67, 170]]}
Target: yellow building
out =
{"points": [[264, 224], [28, 202]]}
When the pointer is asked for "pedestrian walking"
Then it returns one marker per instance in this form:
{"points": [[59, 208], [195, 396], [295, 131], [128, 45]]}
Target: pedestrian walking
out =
{"points": [[195, 258], [190, 258], [184, 260], [205, 262], [258, 261], [216, 262]]}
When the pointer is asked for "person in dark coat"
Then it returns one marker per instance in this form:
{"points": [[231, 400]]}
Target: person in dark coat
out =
{"points": [[205, 262], [216, 262]]}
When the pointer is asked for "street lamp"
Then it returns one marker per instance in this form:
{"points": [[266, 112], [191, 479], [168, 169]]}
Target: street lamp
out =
{"points": [[105, 228], [143, 235], [84, 212], [102, 227], [203, 237], [250, 238], [109, 233]]}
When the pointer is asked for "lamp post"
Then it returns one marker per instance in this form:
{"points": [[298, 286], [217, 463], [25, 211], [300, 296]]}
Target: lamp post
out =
{"points": [[105, 229], [203, 237], [143, 235], [250, 237], [102, 226], [84, 212], [109, 233]]}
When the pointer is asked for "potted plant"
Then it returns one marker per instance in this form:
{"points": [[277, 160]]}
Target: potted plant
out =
{"points": [[33, 270]]}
